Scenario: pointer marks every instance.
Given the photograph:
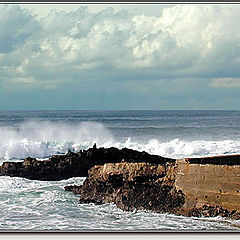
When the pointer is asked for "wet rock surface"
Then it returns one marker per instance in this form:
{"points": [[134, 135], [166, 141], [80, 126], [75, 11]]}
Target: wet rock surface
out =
{"points": [[209, 211], [73, 164], [136, 180], [73, 188], [143, 186], [132, 186]]}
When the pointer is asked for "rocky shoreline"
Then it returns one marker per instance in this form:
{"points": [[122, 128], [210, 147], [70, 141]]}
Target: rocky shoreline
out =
{"points": [[140, 181], [143, 186], [72, 164]]}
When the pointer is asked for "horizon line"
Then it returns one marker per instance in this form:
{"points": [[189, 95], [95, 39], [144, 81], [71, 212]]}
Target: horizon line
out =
{"points": [[95, 110]]}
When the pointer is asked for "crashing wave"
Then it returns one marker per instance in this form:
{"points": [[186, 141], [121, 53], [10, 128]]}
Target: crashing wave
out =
{"points": [[43, 139]]}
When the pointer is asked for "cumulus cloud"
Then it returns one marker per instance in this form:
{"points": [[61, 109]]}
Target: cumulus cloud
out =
{"points": [[16, 25], [186, 41], [226, 82]]}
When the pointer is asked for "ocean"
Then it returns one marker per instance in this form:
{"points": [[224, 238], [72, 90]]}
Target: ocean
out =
{"points": [[30, 205]]}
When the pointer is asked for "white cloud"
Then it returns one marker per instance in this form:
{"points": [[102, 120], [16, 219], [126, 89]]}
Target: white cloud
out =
{"points": [[226, 82], [184, 41], [16, 26]]}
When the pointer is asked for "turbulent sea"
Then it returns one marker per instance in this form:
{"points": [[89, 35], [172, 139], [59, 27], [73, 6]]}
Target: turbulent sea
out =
{"points": [[44, 205]]}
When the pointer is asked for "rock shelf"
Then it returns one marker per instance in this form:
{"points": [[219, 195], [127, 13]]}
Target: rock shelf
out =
{"points": [[181, 187], [133, 180]]}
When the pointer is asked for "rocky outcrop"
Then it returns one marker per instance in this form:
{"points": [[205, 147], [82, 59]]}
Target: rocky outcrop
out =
{"points": [[207, 184], [139, 181], [182, 187], [75, 164], [132, 186]]}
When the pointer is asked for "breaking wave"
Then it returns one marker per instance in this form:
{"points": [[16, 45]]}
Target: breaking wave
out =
{"points": [[43, 139], [44, 205], [180, 149]]}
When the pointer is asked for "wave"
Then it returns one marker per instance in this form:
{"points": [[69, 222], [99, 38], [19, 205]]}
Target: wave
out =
{"points": [[44, 205], [18, 184], [43, 139], [177, 148]]}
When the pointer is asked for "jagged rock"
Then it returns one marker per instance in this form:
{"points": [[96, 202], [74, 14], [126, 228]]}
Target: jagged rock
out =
{"points": [[208, 210], [132, 186], [73, 188], [73, 164], [145, 186]]}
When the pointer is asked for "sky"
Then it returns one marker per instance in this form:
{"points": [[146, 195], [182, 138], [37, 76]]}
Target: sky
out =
{"points": [[117, 57]]}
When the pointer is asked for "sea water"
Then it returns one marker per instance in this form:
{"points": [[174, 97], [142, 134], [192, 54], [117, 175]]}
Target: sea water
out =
{"points": [[30, 205]]}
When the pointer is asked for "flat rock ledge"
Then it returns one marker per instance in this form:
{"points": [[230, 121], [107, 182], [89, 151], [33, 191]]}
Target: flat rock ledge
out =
{"points": [[72, 164], [148, 186]]}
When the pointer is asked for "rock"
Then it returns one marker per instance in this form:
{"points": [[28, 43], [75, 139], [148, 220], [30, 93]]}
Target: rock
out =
{"points": [[73, 164], [132, 186], [155, 187], [207, 184], [208, 211], [73, 188], [229, 160]]}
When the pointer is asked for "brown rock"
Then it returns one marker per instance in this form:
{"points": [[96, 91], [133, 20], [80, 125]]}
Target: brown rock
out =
{"points": [[73, 188], [132, 186], [75, 164], [182, 188]]}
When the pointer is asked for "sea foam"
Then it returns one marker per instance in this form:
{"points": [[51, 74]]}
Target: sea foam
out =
{"points": [[177, 148], [43, 139]]}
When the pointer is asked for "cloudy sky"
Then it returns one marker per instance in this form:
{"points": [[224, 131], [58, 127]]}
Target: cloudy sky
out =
{"points": [[119, 57]]}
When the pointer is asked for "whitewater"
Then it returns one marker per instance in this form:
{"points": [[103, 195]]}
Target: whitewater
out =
{"points": [[44, 205]]}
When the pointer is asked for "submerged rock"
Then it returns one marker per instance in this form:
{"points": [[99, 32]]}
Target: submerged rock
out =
{"points": [[73, 164]]}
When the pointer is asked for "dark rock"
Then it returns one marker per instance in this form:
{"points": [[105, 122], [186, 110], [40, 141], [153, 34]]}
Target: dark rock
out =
{"points": [[208, 210], [132, 186], [229, 160], [73, 164], [144, 186], [73, 188]]}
